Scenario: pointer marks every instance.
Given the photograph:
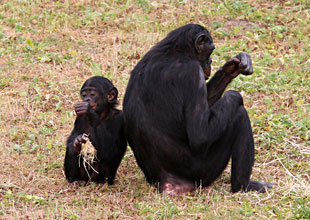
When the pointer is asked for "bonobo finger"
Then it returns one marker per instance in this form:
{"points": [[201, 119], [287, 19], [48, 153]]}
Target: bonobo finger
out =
{"points": [[81, 109], [79, 138], [82, 105], [231, 66], [76, 141], [80, 113], [82, 140], [232, 61], [245, 66], [243, 62]]}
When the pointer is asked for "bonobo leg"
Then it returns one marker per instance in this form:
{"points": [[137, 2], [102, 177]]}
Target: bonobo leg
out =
{"points": [[242, 151], [237, 143], [71, 165], [243, 157], [75, 171]]}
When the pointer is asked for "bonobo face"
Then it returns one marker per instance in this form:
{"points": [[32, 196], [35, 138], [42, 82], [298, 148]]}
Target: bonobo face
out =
{"points": [[209, 47], [93, 97], [205, 47]]}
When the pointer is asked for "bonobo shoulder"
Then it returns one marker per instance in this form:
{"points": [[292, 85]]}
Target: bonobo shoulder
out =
{"points": [[186, 65], [189, 71], [116, 116]]}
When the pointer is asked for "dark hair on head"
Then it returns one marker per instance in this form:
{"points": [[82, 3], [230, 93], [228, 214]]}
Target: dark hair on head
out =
{"points": [[180, 40], [99, 82], [103, 85]]}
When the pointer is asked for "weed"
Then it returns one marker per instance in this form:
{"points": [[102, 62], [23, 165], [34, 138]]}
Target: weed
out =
{"points": [[48, 48]]}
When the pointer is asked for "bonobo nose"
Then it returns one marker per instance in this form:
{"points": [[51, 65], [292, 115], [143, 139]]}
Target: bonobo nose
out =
{"points": [[210, 61], [212, 47]]}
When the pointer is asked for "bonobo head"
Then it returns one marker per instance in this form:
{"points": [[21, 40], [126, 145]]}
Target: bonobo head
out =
{"points": [[100, 93], [191, 39], [204, 47]]}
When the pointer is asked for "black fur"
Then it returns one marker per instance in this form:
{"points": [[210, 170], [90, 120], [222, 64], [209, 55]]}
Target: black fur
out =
{"points": [[105, 128], [178, 126]]}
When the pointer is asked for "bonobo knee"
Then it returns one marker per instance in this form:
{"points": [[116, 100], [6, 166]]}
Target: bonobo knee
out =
{"points": [[234, 96]]}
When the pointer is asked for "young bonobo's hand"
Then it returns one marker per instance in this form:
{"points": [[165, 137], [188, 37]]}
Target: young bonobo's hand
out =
{"points": [[81, 108], [241, 63], [77, 143], [84, 108]]}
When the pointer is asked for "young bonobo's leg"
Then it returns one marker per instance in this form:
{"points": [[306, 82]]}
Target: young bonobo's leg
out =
{"points": [[72, 170], [111, 174]]}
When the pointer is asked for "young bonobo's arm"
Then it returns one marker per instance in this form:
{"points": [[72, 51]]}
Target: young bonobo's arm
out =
{"points": [[75, 139], [107, 134], [239, 64], [84, 108], [86, 117]]}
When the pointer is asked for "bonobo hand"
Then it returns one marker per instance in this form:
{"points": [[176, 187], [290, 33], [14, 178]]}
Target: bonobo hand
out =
{"points": [[84, 108], [81, 108], [77, 143], [241, 63]]}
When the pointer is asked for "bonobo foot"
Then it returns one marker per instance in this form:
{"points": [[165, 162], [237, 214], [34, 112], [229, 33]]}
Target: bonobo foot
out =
{"points": [[174, 187], [78, 183], [259, 186]]}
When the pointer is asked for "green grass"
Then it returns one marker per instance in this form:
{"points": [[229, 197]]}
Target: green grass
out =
{"points": [[49, 48]]}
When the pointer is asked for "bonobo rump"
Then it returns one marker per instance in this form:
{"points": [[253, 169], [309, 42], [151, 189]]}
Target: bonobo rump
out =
{"points": [[182, 130]]}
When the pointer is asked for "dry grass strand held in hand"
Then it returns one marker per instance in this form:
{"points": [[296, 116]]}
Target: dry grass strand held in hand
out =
{"points": [[88, 154]]}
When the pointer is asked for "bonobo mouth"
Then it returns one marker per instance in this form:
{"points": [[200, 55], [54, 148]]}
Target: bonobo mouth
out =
{"points": [[209, 61], [93, 105], [207, 68]]}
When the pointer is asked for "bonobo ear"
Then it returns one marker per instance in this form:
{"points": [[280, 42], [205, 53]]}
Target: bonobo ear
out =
{"points": [[199, 42], [112, 95]]}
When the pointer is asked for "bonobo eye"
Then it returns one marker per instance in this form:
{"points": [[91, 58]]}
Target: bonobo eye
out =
{"points": [[83, 94], [93, 93]]}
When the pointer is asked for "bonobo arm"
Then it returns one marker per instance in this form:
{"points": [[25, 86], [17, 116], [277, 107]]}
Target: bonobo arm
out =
{"points": [[239, 64], [86, 117], [75, 140], [84, 108], [205, 125]]}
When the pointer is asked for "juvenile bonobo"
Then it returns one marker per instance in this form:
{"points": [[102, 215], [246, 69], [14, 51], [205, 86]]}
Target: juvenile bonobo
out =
{"points": [[97, 117], [183, 131]]}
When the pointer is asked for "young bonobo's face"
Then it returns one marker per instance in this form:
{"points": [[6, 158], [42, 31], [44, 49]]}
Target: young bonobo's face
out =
{"points": [[93, 97]]}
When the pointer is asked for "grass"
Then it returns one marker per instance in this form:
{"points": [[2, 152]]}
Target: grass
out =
{"points": [[49, 48]]}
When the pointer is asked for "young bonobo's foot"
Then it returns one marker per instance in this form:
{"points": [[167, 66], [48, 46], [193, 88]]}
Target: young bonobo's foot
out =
{"points": [[78, 183], [176, 187], [110, 182], [259, 186], [100, 182]]}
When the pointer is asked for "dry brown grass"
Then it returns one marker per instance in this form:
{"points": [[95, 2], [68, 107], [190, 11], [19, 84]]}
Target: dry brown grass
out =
{"points": [[49, 48]]}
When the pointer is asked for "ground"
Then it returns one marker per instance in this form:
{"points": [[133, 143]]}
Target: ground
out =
{"points": [[49, 48]]}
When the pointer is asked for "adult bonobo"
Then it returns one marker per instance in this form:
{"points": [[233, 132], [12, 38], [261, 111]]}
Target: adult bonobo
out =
{"points": [[183, 131], [103, 125]]}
